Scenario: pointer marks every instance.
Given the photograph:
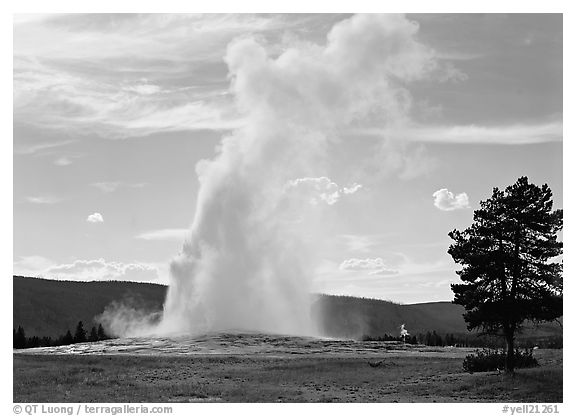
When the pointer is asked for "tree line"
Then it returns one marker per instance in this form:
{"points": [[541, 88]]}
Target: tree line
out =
{"points": [[20, 340], [434, 339]]}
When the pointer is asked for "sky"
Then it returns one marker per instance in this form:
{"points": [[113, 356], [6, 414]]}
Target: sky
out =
{"points": [[113, 113]]}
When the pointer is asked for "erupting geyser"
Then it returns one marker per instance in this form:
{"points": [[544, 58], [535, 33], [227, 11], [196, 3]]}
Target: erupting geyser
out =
{"points": [[403, 332], [244, 265]]}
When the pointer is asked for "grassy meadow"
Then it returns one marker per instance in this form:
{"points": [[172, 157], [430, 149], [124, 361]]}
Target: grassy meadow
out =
{"points": [[414, 377]]}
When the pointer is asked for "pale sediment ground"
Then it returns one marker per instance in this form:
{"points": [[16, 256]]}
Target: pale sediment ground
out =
{"points": [[245, 344]]}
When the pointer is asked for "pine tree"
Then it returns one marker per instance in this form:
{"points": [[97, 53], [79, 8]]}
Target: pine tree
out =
{"points": [[33, 342], [101, 333], [46, 342], [93, 335], [67, 339], [20, 338], [509, 274], [421, 339], [436, 339], [80, 334]]}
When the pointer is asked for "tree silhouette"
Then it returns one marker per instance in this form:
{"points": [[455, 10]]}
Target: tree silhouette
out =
{"points": [[19, 338], [67, 339], [508, 254], [80, 334], [93, 335], [33, 342], [101, 333]]}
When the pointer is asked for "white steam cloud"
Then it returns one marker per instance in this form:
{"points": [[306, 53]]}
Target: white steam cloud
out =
{"points": [[403, 331], [243, 267], [129, 317]]}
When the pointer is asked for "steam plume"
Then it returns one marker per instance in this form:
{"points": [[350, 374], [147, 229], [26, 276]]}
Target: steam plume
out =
{"points": [[403, 332], [244, 266]]}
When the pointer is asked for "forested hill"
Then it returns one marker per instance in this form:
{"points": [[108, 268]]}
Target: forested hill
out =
{"points": [[347, 316], [51, 307]]}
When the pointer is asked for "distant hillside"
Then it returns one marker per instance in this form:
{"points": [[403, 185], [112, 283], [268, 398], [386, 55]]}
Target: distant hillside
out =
{"points": [[350, 317], [346, 316], [50, 307]]}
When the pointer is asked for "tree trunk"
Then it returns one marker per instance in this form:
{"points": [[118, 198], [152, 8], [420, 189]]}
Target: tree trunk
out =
{"points": [[509, 364]]}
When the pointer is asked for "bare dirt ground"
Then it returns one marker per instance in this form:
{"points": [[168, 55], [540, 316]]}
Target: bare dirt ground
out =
{"points": [[374, 374]]}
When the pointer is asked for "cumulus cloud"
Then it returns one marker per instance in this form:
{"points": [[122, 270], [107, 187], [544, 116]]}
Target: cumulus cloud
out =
{"points": [[100, 269], [320, 190], [447, 201], [95, 218], [374, 266], [352, 189], [85, 270], [167, 234]]}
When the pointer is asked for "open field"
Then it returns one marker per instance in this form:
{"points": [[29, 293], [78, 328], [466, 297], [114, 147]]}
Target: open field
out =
{"points": [[432, 375]]}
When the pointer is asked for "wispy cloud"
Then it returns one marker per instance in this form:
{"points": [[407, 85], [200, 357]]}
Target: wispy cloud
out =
{"points": [[25, 18], [458, 55], [63, 161], [363, 243], [514, 134], [130, 74], [167, 234], [108, 187], [30, 149], [31, 265], [43, 200], [446, 201], [52, 98], [144, 89]]}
